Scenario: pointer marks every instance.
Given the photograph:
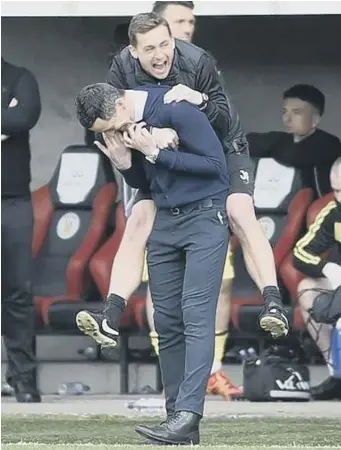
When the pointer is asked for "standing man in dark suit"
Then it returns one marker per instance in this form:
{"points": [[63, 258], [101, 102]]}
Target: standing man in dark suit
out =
{"points": [[188, 243], [20, 111]]}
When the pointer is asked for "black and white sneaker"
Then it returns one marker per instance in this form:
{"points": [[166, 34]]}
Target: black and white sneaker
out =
{"points": [[96, 326], [273, 319]]}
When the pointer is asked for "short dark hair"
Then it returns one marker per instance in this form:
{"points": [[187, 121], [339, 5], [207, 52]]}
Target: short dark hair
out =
{"points": [[160, 7], [307, 93], [144, 22], [96, 101]]}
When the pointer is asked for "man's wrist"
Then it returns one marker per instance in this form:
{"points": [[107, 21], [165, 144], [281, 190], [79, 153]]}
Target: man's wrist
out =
{"points": [[122, 164], [199, 98], [204, 100], [153, 155]]}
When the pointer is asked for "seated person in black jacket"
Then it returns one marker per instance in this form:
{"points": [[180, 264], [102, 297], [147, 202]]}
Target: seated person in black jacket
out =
{"points": [[323, 275], [303, 146]]}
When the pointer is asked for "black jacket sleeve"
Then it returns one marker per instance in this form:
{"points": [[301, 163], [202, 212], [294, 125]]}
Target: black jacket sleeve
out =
{"points": [[25, 114], [115, 76], [135, 177], [208, 82], [319, 238], [220, 111], [322, 175], [261, 144]]}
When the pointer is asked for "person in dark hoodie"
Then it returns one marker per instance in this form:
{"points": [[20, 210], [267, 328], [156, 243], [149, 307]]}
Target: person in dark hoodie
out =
{"points": [[20, 111]]}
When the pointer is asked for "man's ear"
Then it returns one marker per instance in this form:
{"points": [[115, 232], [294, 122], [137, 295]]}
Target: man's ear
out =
{"points": [[316, 120], [120, 105], [133, 51]]}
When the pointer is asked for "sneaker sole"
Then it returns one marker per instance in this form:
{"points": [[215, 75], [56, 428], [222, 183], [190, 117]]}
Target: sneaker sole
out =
{"points": [[89, 326], [276, 327]]}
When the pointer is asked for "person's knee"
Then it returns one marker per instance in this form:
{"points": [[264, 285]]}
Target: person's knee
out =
{"points": [[169, 328], [306, 294], [140, 222], [240, 210], [306, 284], [20, 301], [199, 323]]}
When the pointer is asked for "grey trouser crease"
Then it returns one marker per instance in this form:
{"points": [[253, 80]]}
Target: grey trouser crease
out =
{"points": [[186, 256]]}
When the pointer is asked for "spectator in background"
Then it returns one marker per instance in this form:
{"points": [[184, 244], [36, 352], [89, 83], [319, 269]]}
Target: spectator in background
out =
{"points": [[179, 16], [324, 275], [20, 111], [304, 146]]}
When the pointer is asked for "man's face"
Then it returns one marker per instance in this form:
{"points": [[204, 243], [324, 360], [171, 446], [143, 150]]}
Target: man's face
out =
{"points": [[155, 51], [299, 118], [120, 121], [181, 21], [335, 181]]}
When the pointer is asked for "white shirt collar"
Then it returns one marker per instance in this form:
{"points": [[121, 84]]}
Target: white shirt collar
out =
{"points": [[140, 103]]}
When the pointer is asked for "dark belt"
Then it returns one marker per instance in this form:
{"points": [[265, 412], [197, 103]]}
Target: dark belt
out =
{"points": [[206, 203]]}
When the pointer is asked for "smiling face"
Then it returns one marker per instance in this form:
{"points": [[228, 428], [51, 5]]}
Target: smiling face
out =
{"points": [[155, 51]]}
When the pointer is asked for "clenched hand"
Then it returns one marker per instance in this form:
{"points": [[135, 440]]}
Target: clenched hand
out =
{"points": [[165, 137], [139, 138]]}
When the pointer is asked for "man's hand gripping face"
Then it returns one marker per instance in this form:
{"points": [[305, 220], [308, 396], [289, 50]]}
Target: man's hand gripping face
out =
{"points": [[116, 150], [147, 142]]}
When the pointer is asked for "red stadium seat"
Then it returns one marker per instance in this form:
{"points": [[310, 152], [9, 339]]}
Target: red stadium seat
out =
{"points": [[281, 203], [72, 215], [292, 277], [316, 207]]}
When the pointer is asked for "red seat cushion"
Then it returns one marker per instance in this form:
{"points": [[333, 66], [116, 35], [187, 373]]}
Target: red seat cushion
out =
{"points": [[290, 277]]}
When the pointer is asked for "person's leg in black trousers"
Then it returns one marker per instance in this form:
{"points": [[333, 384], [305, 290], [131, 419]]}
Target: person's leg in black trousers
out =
{"points": [[206, 241], [18, 318], [201, 237], [169, 263]]}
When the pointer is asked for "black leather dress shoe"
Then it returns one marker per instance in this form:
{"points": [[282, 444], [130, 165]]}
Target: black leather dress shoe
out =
{"points": [[26, 392], [182, 428]]}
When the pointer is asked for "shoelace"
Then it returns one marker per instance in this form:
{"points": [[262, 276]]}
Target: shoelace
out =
{"points": [[173, 419]]}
